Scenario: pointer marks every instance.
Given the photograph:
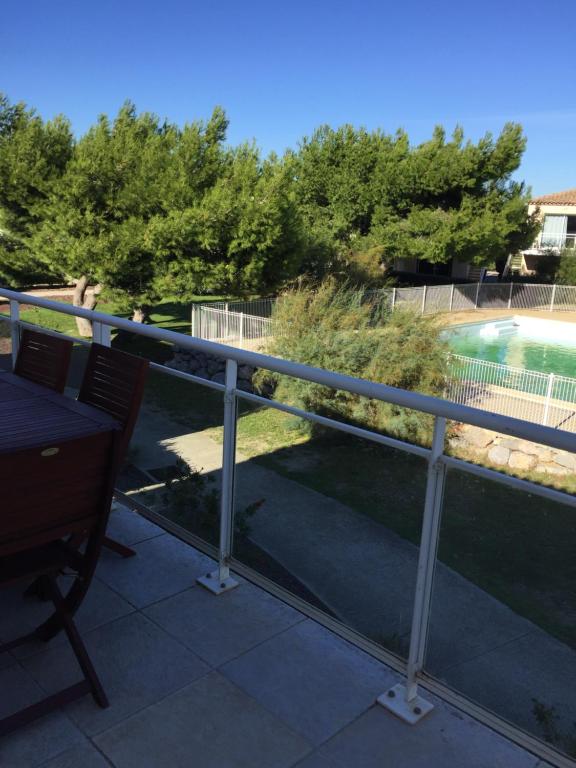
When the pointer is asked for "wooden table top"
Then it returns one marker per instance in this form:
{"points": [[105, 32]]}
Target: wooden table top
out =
{"points": [[32, 416]]}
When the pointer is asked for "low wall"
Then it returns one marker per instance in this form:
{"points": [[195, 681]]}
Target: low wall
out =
{"points": [[502, 451]]}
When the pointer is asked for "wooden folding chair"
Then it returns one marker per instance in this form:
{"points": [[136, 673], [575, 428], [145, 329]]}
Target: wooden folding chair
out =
{"points": [[114, 382], [43, 359], [46, 498]]}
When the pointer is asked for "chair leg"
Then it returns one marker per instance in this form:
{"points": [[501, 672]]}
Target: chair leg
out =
{"points": [[120, 549], [76, 642]]}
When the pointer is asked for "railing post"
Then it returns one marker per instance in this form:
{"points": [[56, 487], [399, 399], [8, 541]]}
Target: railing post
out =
{"points": [[477, 294], [451, 297], [549, 391], [241, 330], [15, 329], [393, 298], [423, 300], [101, 334], [510, 296], [227, 325], [193, 329], [552, 297], [404, 700], [220, 581]]}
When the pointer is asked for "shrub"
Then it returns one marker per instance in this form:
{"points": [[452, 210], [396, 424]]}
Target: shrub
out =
{"points": [[337, 329], [566, 274]]}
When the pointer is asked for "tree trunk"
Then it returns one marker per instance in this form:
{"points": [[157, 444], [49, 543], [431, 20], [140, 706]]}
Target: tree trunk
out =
{"points": [[87, 299]]}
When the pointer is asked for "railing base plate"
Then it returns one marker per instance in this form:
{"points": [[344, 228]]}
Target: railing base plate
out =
{"points": [[216, 585], [410, 711]]}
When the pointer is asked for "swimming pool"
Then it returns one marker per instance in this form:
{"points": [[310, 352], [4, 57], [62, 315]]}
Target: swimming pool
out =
{"points": [[548, 346]]}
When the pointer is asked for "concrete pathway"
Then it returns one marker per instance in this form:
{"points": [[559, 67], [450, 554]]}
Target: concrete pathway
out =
{"points": [[366, 574]]}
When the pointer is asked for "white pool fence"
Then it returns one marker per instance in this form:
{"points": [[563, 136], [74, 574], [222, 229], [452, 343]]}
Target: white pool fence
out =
{"points": [[538, 397]]}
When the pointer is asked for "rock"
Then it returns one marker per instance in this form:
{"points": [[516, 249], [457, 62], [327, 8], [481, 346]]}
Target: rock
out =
{"points": [[520, 460], [219, 377], [479, 438], [552, 469], [202, 373], [499, 455], [512, 443], [567, 460], [245, 386], [543, 453]]}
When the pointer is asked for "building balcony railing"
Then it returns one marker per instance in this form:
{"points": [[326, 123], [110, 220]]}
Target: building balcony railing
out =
{"points": [[455, 575], [560, 242]]}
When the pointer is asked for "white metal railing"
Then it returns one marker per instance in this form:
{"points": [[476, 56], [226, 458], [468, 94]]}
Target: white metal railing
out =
{"points": [[559, 241], [233, 322], [227, 326], [406, 702], [544, 398]]}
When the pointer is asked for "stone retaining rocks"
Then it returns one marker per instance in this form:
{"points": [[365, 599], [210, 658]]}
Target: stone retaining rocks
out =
{"points": [[503, 451], [209, 367]]}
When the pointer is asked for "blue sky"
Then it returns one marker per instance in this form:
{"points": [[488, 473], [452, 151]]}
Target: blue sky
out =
{"points": [[280, 69]]}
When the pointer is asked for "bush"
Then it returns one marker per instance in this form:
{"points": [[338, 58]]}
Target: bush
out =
{"points": [[336, 329], [566, 274]]}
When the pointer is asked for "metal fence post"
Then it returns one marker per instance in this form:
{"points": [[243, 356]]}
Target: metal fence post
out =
{"points": [[424, 300], [193, 318], [393, 298], [220, 581], [241, 330], [549, 391], [451, 296], [15, 329], [404, 700], [477, 294], [552, 297], [510, 296]]}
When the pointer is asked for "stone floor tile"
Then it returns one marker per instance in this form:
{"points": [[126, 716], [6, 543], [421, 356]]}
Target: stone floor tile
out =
{"points": [[138, 663], [31, 745], [21, 615], [210, 724], [162, 567], [443, 739], [311, 679], [220, 628], [81, 756], [19, 689], [316, 760], [128, 527]]}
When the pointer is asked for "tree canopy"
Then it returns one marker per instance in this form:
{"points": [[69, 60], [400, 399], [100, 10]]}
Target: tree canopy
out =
{"points": [[143, 206]]}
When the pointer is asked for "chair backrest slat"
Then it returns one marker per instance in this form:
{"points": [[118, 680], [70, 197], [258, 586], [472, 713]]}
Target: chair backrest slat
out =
{"points": [[114, 383], [43, 359], [70, 492]]}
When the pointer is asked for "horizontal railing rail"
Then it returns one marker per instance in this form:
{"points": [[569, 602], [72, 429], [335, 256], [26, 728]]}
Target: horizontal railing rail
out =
{"points": [[408, 704]]}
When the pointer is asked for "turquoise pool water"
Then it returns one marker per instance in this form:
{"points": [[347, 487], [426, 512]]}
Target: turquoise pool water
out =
{"points": [[548, 348]]}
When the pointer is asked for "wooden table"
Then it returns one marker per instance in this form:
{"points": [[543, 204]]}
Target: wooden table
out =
{"points": [[32, 416], [47, 441]]}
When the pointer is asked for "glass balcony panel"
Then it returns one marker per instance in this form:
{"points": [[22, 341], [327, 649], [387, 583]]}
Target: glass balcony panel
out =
{"points": [[174, 462], [332, 518], [503, 623]]}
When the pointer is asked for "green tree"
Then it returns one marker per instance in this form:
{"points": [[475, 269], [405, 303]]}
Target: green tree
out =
{"points": [[362, 191], [118, 178], [243, 235], [33, 157]]}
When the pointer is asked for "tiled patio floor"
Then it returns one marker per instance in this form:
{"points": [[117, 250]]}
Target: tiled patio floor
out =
{"points": [[241, 680]]}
